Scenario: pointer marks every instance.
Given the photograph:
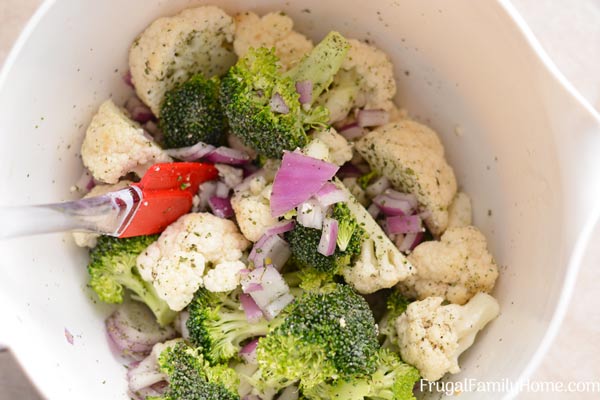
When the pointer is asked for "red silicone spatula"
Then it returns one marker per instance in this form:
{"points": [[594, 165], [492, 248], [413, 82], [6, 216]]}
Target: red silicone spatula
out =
{"points": [[164, 194]]}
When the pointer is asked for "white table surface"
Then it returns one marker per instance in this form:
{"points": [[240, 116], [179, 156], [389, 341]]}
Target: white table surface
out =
{"points": [[570, 33]]}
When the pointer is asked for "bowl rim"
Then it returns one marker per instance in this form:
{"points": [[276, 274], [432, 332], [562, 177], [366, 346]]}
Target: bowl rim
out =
{"points": [[576, 254]]}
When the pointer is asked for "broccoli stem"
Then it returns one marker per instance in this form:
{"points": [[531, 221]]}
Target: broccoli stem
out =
{"points": [[144, 291], [321, 64]]}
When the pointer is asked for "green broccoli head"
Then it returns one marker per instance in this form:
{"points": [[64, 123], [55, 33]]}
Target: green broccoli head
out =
{"points": [[191, 113], [325, 335], [112, 269], [392, 380], [192, 378], [305, 241], [218, 326], [255, 83]]}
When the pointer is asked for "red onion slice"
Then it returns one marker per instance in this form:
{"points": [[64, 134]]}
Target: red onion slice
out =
{"points": [[139, 111], [134, 330], [226, 155], [191, 153], [248, 352], [127, 79], [273, 248], [304, 89], [291, 186], [220, 206], [328, 237], [404, 224], [276, 306], [391, 206], [280, 227], [254, 287], [349, 170], [251, 309], [367, 118], [330, 194], [311, 214], [408, 197], [352, 131], [278, 105], [411, 240], [86, 181], [274, 287]]}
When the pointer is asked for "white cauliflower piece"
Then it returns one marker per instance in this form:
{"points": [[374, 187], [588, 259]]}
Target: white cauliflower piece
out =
{"points": [[88, 239], [231, 176], [172, 49], [316, 148], [459, 212], [366, 79], [114, 146], [380, 264], [411, 156], [225, 277], [340, 150], [175, 264], [251, 205], [272, 30], [432, 337], [455, 268]]}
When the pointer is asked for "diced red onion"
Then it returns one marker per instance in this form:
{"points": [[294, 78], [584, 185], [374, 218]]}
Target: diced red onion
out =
{"points": [[391, 206], [86, 181], [409, 197], [330, 194], [134, 330], [404, 224], [191, 153], [144, 374], [379, 186], [280, 227], [139, 111], [205, 192], [229, 175], [349, 170], [304, 89], [220, 206], [273, 283], [226, 155], [374, 210], [328, 237], [411, 240], [272, 247], [352, 131], [278, 105], [69, 336], [127, 79], [298, 179], [276, 306], [254, 287], [251, 309], [311, 214], [222, 190], [366, 118], [248, 352], [156, 390]]}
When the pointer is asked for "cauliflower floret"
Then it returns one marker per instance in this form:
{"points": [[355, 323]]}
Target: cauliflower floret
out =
{"points": [[87, 239], [366, 79], [340, 150], [251, 204], [272, 30], [114, 146], [175, 264], [225, 277], [172, 49], [411, 156], [459, 212], [432, 337], [380, 264], [455, 268]]}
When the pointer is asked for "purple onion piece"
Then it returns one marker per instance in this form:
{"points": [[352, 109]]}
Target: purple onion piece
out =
{"points": [[278, 105], [304, 89]]}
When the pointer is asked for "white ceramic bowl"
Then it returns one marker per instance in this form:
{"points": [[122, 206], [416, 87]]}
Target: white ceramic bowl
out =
{"points": [[522, 143]]}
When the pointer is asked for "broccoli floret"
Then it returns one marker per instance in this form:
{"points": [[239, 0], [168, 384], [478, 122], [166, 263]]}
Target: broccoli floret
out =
{"points": [[327, 334], [219, 326], [262, 104], [395, 305], [191, 113], [112, 269], [350, 233], [365, 180], [192, 378], [392, 380]]}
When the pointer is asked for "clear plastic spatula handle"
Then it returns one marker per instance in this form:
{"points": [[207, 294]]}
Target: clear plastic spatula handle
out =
{"points": [[109, 214]]}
